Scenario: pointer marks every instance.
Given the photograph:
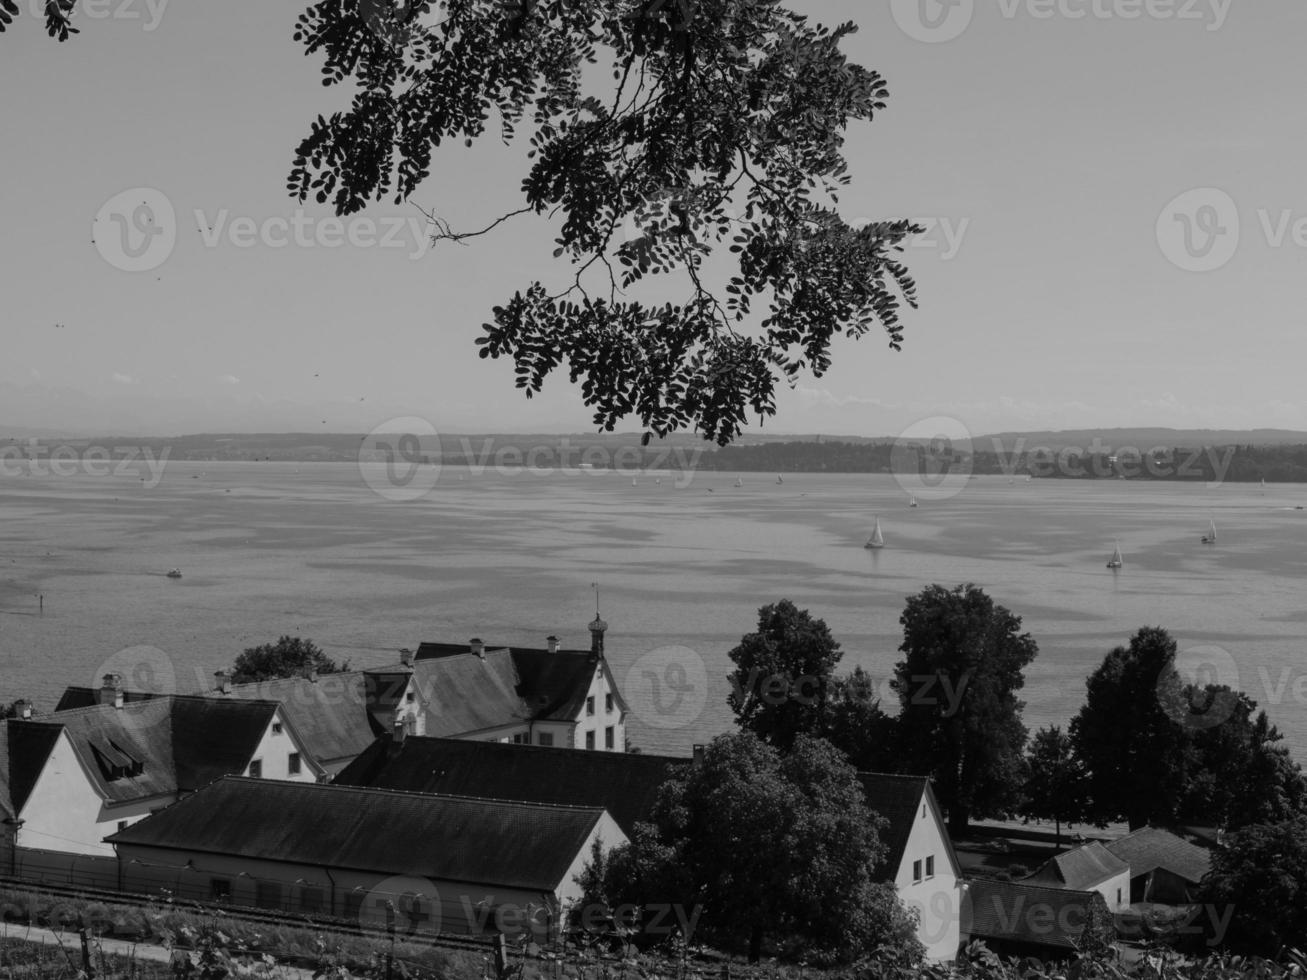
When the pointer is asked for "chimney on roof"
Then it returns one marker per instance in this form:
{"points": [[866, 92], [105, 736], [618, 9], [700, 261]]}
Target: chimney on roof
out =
{"points": [[311, 675], [406, 657], [698, 755], [553, 643], [398, 731], [597, 629], [111, 690], [222, 682], [23, 708], [478, 647]]}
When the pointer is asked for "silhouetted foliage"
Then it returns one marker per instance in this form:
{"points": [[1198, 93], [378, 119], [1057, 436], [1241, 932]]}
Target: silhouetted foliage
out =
{"points": [[960, 718], [1055, 781], [1260, 874], [290, 656]]}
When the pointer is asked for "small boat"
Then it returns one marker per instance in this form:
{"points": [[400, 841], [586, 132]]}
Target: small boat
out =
{"points": [[877, 540], [778, 478], [912, 501], [739, 482], [174, 573], [633, 481], [1210, 536], [658, 482], [1115, 561]]}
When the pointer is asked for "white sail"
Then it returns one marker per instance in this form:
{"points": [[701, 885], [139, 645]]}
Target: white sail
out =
{"points": [[1210, 536], [912, 501], [1115, 561], [877, 540]]}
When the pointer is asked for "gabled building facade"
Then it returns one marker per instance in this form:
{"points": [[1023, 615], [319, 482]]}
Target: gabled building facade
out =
{"points": [[1164, 867], [77, 775], [1090, 867], [446, 864]]}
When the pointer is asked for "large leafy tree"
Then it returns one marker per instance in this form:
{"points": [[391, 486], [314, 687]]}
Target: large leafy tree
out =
{"points": [[708, 128], [1259, 876], [960, 718], [1055, 780], [290, 656], [858, 727], [779, 687], [1137, 755], [772, 849]]}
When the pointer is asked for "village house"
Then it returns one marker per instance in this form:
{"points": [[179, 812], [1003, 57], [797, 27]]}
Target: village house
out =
{"points": [[534, 696], [1020, 918], [1164, 868], [76, 775], [919, 857], [446, 864], [1090, 867]]}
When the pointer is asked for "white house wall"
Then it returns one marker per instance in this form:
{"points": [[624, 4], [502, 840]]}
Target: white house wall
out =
{"points": [[600, 688], [65, 812], [274, 752], [937, 899]]}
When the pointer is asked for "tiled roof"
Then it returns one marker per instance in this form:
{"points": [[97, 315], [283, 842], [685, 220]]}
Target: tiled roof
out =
{"points": [[1018, 911], [469, 693], [27, 745], [1150, 848], [1081, 868], [329, 713], [84, 697], [146, 748], [624, 784], [896, 798], [512, 845]]}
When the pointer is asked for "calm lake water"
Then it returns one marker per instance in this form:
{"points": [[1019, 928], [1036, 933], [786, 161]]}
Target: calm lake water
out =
{"points": [[311, 549]]}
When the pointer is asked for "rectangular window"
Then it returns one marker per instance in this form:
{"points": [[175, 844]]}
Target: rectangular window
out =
{"points": [[608, 702], [353, 905], [293, 764], [545, 738], [589, 740], [312, 899], [410, 697], [1118, 896], [256, 769], [267, 894], [923, 811], [930, 866], [122, 825], [521, 739], [590, 705], [608, 737], [916, 871], [220, 889], [276, 728]]}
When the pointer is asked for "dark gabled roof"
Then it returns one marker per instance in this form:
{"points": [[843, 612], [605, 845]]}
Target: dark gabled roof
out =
{"points": [[895, 798], [27, 745], [329, 713], [557, 683], [512, 845], [149, 747], [1080, 868], [624, 784], [1018, 911], [1150, 848], [85, 697]]}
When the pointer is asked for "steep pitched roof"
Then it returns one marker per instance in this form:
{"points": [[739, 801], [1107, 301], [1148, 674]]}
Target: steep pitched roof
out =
{"points": [[1080, 868], [895, 798], [465, 692], [1150, 848], [147, 748], [624, 784], [514, 845], [330, 713], [84, 697], [27, 745], [1018, 911]]}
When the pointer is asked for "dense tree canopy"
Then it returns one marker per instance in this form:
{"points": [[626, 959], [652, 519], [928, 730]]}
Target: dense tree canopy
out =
{"points": [[960, 722], [858, 727], [664, 134], [782, 674], [1055, 780], [770, 848], [290, 656], [1259, 876]]}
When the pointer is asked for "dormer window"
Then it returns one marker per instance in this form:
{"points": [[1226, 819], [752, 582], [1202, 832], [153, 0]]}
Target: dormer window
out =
{"points": [[114, 762]]}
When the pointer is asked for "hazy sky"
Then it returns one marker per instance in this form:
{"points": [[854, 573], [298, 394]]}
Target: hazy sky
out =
{"points": [[1063, 284]]}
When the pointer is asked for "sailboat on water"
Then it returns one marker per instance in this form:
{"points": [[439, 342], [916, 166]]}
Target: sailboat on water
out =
{"points": [[739, 481], [778, 478], [1210, 536], [877, 540], [912, 501], [1115, 561]]}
